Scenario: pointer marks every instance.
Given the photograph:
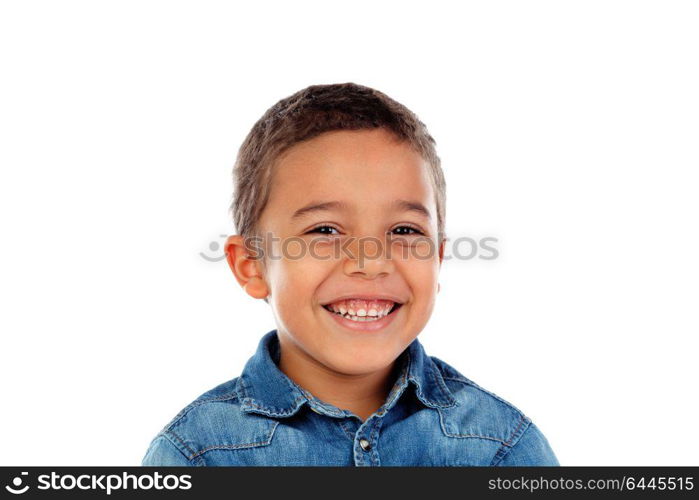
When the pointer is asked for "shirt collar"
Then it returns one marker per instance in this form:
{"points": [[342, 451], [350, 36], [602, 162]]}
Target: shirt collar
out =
{"points": [[263, 388]]}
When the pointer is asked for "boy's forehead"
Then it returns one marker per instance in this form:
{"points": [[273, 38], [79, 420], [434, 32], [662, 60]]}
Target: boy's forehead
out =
{"points": [[353, 168]]}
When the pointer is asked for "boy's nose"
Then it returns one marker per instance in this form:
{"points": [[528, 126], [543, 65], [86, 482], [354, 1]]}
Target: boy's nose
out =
{"points": [[367, 257]]}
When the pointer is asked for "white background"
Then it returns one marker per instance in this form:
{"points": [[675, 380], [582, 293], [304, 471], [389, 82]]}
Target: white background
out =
{"points": [[568, 130]]}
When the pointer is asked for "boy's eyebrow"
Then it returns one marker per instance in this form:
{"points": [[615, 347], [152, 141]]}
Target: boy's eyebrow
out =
{"points": [[412, 206], [325, 206], [319, 207]]}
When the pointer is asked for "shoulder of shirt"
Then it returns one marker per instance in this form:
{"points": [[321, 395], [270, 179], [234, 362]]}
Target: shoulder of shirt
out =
{"points": [[198, 427], [465, 385], [478, 412], [225, 393]]}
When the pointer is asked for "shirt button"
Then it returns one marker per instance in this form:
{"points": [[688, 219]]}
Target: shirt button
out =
{"points": [[366, 445]]}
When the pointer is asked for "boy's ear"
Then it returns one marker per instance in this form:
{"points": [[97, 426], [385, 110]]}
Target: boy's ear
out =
{"points": [[246, 268]]}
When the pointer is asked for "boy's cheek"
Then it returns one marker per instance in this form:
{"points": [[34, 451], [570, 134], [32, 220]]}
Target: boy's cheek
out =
{"points": [[323, 249], [298, 279], [421, 250]]}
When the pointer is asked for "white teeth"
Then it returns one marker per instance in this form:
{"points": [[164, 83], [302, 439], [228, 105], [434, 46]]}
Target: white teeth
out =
{"points": [[362, 318], [361, 314]]}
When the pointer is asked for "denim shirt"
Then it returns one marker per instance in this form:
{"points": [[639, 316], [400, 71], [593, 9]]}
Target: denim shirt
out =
{"points": [[433, 416]]}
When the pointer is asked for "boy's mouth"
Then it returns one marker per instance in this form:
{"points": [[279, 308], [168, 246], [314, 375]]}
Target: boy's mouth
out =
{"points": [[361, 310]]}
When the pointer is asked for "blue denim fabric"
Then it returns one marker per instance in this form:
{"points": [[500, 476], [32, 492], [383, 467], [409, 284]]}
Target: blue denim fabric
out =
{"points": [[433, 416]]}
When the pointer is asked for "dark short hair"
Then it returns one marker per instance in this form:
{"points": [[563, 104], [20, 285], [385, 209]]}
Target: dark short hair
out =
{"points": [[309, 113]]}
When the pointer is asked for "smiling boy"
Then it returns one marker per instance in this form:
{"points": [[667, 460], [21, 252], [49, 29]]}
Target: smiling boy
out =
{"points": [[343, 188]]}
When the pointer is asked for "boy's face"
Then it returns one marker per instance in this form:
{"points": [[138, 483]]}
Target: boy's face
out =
{"points": [[369, 176]]}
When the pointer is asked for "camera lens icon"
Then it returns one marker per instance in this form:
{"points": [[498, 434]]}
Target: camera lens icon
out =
{"points": [[17, 482]]}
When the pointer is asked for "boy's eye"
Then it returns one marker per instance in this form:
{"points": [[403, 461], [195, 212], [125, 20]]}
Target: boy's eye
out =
{"points": [[407, 230], [322, 230]]}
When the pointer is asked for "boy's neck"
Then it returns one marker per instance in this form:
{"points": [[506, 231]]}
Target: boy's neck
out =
{"points": [[362, 394]]}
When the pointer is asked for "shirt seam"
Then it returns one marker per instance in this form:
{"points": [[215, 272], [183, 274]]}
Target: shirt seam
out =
{"points": [[175, 420], [346, 431], [514, 438], [171, 436], [462, 436], [267, 441]]}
